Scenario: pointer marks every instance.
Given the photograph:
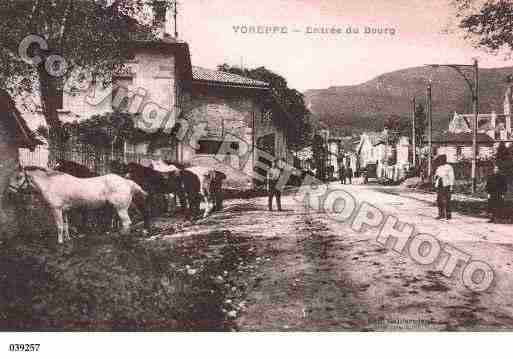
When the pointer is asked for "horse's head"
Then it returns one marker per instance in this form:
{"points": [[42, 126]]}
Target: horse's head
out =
{"points": [[19, 181], [58, 165]]}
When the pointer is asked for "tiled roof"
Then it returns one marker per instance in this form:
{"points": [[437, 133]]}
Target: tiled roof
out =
{"points": [[225, 78], [375, 137], [462, 137]]}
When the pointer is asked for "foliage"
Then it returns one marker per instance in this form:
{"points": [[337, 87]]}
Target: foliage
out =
{"points": [[114, 282], [504, 159], [488, 23], [300, 126], [91, 36], [420, 124], [319, 150], [102, 131], [397, 125]]}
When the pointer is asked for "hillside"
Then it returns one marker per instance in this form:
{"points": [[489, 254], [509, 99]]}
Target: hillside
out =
{"points": [[352, 109]]}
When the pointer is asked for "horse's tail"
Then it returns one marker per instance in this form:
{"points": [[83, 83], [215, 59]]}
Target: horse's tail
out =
{"points": [[141, 201]]}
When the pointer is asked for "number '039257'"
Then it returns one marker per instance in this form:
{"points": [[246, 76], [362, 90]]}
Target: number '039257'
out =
{"points": [[24, 347]]}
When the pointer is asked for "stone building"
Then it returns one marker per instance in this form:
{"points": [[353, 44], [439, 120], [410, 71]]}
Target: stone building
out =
{"points": [[492, 128], [212, 110], [14, 134], [458, 146], [390, 154], [496, 125]]}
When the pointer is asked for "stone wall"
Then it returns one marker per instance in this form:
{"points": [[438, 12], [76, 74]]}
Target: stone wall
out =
{"points": [[152, 73], [229, 116]]}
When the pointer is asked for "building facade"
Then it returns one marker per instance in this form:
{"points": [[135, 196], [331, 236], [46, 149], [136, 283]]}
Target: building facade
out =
{"points": [[214, 111]]}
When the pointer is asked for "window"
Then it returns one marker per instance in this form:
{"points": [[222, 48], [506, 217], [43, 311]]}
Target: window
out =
{"points": [[60, 98], [267, 116], [211, 147], [120, 93]]}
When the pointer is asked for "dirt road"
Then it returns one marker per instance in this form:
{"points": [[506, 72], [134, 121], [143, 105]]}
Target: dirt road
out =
{"points": [[313, 273]]}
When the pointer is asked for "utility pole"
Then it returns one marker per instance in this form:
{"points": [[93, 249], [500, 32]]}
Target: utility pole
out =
{"points": [[430, 131], [474, 89], [475, 101], [175, 13], [413, 137]]}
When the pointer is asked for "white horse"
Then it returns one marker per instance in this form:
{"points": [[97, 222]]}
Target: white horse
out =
{"points": [[63, 192]]}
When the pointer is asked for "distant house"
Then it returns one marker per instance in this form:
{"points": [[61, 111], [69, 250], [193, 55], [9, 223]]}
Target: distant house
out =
{"points": [[390, 154], [496, 125], [14, 134], [371, 149], [342, 153], [303, 158], [492, 128], [458, 146]]}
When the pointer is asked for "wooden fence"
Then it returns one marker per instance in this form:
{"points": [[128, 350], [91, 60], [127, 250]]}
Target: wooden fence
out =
{"points": [[96, 161]]}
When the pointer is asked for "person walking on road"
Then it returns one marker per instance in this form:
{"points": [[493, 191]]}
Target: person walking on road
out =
{"points": [[444, 184], [349, 174], [342, 175], [496, 187], [272, 180]]}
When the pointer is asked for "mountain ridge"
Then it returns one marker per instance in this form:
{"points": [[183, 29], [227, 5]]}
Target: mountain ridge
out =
{"points": [[363, 107]]}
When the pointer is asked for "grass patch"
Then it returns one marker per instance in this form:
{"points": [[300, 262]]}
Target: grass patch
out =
{"points": [[121, 283]]}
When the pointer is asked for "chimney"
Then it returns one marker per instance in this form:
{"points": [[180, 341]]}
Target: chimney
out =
{"points": [[159, 18], [508, 105]]}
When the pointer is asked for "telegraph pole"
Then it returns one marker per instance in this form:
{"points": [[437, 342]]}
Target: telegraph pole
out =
{"points": [[413, 140], [475, 100], [430, 131], [474, 89], [175, 13]]}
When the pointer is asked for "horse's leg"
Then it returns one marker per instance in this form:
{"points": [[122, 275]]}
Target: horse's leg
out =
{"points": [[57, 214], [208, 205], [195, 204], [65, 217], [125, 219]]}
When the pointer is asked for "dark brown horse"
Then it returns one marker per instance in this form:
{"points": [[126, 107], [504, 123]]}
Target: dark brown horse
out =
{"points": [[155, 183]]}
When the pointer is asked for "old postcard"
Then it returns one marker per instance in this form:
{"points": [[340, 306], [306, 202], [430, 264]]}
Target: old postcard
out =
{"points": [[280, 165]]}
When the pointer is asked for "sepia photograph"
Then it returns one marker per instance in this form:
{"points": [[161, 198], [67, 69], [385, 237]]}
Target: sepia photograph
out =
{"points": [[237, 166]]}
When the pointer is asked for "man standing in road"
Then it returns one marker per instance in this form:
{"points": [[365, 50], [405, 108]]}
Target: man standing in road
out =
{"points": [[273, 176], [342, 175], [496, 187], [444, 184], [349, 174]]}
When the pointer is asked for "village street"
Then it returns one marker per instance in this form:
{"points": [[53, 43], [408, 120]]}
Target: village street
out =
{"points": [[313, 273]]}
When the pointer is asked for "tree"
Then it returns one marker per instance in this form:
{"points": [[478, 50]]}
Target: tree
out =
{"points": [[319, 152], [397, 126], [66, 37], [300, 127], [420, 124], [106, 130], [504, 159], [488, 23]]}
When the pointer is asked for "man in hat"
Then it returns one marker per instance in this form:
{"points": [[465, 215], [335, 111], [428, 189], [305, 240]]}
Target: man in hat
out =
{"points": [[496, 187], [342, 174], [444, 184], [349, 174], [273, 176]]}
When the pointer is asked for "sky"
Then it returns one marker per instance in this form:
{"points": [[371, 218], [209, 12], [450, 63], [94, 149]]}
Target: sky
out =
{"points": [[415, 36]]}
